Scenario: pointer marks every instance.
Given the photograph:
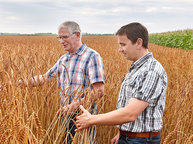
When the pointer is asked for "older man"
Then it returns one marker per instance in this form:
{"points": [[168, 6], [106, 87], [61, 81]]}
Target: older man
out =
{"points": [[80, 68]]}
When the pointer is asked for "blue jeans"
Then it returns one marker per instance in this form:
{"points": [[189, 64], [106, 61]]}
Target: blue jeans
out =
{"points": [[139, 140]]}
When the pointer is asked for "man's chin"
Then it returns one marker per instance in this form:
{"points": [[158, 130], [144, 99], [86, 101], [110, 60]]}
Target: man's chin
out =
{"points": [[127, 58], [65, 48]]}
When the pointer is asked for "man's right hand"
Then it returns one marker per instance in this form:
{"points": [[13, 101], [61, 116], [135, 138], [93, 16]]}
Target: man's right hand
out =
{"points": [[115, 139]]}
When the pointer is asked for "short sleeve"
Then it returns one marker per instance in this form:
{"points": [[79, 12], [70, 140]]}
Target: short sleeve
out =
{"points": [[52, 72], [149, 87], [96, 69]]}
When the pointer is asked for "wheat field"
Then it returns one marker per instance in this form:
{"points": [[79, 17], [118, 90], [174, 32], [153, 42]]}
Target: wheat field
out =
{"points": [[30, 114]]}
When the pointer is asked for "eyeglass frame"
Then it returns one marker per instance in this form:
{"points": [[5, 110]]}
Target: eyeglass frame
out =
{"points": [[64, 37]]}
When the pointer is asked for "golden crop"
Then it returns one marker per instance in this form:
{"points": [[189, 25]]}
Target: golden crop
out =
{"points": [[30, 115]]}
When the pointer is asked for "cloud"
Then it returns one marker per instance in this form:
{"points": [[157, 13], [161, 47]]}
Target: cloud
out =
{"points": [[94, 16], [23, 1], [151, 9]]}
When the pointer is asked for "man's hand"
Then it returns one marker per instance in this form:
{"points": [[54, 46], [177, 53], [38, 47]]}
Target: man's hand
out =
{"points": [[115, 139], [69, 109], [82, 121]]}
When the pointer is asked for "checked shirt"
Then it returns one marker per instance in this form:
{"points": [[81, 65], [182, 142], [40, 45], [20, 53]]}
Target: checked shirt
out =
{"points": [[147, 81], [76, 72]]}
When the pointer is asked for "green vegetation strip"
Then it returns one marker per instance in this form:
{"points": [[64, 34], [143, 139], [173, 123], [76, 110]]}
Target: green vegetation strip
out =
{"points": [[177, 39]]}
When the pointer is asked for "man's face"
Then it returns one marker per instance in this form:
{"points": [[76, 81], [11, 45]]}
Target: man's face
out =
{"points": [[126, 47], [67, 40]]}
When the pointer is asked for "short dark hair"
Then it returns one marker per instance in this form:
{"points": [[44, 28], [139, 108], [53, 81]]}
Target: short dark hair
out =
{"points": [[133, 31]]}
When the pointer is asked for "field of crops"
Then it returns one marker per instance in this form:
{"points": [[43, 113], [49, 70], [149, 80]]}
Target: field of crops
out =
{"points": [[176, 39], [30, 115]]}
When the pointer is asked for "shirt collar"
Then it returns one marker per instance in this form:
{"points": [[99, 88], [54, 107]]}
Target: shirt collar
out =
{"points": [[142, 60], [80, 50]]}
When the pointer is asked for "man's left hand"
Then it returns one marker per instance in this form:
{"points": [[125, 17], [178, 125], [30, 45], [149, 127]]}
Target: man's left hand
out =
{"points": [[82, 121]]}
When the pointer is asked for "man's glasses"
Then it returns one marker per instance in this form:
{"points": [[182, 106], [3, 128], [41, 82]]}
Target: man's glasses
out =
{"points": [[64, 37]]}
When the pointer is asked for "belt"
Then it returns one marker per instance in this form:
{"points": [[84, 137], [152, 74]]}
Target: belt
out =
{"points": [[142, 134]]}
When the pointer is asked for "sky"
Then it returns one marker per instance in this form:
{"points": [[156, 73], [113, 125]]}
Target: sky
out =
{"points": [[94, 16]]}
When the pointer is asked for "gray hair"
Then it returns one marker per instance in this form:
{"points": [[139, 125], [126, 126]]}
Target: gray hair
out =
{"points": [[71, 26]]}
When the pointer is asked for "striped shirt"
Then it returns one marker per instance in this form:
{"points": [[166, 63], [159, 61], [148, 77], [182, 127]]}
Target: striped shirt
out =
{"points": [[77, 71], [147, 81]]}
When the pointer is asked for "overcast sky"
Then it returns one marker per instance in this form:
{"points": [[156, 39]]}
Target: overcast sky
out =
{"points": [[94, 16]]}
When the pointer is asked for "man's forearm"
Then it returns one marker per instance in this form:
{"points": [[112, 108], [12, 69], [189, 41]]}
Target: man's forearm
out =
{"points": [[97, 92], [112, 118], [34, 81], [123, 115], [89, 99]]}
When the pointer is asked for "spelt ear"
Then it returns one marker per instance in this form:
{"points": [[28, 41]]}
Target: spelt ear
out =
{"points": [[82, 108]]}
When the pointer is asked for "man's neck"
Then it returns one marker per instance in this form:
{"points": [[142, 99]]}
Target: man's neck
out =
{"points": [[141, 54], [77, 46]]}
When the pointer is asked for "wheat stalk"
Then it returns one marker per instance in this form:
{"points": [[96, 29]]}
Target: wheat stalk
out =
{"points": [[38, 126]]}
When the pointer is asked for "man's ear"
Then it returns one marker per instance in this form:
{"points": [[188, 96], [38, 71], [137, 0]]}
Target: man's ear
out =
{"points": [[139, 42], [78, 34]]}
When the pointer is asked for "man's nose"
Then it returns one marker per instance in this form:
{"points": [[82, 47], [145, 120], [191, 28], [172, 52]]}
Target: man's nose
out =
{"points": [[120, 49], [61, 41]]}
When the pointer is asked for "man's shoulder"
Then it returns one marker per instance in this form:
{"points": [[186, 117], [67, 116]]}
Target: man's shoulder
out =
{"points": [[63, 57], [91, 51], [156, 66]]}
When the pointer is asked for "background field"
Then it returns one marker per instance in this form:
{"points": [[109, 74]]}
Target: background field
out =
{"points": [[29, 115], [175, 39]]}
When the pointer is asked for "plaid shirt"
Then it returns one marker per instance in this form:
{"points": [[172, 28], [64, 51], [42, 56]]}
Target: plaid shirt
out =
{"points": [[147, 81], [83, 68]]}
